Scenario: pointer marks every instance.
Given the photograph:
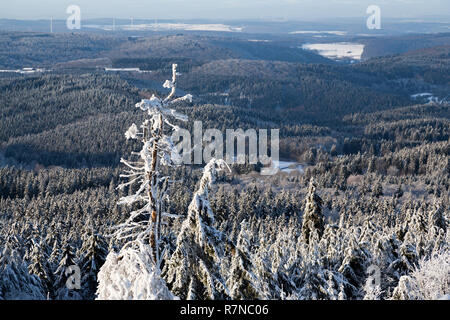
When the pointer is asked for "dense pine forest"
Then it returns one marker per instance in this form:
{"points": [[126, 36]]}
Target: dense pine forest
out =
{"points": [[362, 211]]}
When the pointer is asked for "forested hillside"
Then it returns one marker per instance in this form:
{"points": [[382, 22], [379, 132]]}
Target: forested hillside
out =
{"points": [[367, 187], [382, 46]]}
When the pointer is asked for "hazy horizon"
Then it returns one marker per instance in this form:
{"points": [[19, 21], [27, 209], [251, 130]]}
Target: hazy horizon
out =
{"points": [[223, 10]]}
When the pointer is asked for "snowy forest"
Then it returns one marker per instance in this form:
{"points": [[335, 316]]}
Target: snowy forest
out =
{"points": [[94, 203]]}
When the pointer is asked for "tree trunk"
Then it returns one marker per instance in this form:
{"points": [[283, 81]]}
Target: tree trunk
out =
{"points": [[151, 176]]}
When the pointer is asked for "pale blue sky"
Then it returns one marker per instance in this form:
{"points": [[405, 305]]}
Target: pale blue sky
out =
{"points": [[221, 9]]}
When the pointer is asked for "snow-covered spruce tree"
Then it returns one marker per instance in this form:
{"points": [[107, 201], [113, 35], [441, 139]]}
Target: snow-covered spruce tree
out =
{"points": [[93, 255], [63, 272], [193, 271], [267, 283], [242, 281], [436, 217], [16, 283], [282, 255], [38, 266], [386, 255], [312, 215], [53, 258], [313, 280], [354, 265], [142, 230], [437, 228]]}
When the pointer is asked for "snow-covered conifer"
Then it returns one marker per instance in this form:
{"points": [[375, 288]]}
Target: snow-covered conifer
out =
{"points": [[132, 275], [38, 266], [16, 282], [93, 255], [193, 272], [66, 269], [242, 281], [53, 259], [354, 265], [312, 216]]}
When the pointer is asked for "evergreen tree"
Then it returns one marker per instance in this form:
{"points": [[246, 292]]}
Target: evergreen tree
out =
{"points": [[313, 220], [377, 190], [242, 281], [67, 275], [354, 266], [93, 255], [38, 266], [193, 271], [16, 283]]}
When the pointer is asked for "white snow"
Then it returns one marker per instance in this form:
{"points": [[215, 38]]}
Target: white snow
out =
{"points": [[132, 132], [24, 70], [132, 275], [288, 166], [169, 26], [337, 33], [430, 97], [418, 95], [126, 70], [338, 50], [257, 40]]}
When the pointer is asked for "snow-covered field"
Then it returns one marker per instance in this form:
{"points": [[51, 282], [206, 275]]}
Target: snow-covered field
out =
{"points": [[338, 50], [24, 71], [126, 70], [336, 33], [257, 40], [168, 26]]}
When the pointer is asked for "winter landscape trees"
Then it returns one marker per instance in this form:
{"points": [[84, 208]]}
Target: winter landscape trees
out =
{"points": [[362, 212], [142, 230]]}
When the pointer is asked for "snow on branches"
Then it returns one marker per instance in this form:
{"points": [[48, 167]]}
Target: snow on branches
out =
{"points": [[144, 224], [132, 275], [194, 268]]}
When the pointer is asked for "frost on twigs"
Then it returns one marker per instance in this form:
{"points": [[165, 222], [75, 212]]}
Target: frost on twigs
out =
{"points": [[134, 273], [429, 281], [143, 174], [132, 132]]}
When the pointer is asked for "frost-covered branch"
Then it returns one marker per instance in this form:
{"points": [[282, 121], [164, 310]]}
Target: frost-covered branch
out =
{"points": [[157, 149]]}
